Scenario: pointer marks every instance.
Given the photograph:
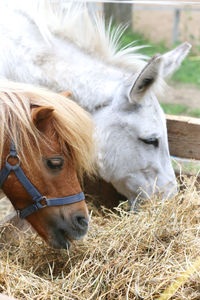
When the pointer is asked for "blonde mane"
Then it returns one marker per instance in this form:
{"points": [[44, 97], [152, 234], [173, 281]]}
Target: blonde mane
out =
{"points": [[72, 124], [87, 30]]}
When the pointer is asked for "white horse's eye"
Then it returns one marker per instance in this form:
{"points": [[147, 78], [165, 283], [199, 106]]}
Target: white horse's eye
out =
{"points": [[151, 141]]}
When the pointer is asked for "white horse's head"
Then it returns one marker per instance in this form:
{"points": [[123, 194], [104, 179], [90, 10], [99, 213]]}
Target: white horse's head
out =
{"points": [[134, 154]]}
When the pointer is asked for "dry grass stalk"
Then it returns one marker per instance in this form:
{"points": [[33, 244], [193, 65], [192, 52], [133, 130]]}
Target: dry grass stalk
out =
{"points": [[124, 256]]}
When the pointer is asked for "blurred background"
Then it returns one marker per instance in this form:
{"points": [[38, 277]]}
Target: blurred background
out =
{"points": [[163, 27]]}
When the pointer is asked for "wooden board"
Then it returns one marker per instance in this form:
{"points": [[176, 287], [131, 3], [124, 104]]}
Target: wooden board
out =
{"points": [[184, 136]]}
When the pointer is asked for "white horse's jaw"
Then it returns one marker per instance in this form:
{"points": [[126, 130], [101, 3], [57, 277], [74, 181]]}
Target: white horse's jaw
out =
{"points": [[146, 192], [164, 192]]}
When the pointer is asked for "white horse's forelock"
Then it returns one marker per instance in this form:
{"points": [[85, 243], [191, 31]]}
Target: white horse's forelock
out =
{"points": [[71, 21]]}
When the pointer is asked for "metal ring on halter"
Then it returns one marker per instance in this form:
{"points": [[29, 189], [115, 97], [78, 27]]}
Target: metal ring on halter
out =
{"points": [[16, 156], [43, 198]]}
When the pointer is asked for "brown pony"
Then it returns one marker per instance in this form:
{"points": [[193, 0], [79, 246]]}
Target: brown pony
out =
{"points": [[53, 139]]}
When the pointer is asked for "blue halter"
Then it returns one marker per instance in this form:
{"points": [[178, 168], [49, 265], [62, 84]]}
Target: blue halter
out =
{"points": [[39, 200]]}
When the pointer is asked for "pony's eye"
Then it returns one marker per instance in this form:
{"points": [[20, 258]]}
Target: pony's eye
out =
{"points": [[54, 163], [150, 141]]}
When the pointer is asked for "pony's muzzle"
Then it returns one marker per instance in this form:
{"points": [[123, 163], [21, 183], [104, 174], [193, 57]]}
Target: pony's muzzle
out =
{"points": [[63, 230]]}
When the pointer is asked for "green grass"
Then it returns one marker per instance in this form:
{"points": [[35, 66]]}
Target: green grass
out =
{"points": [[186, 166], [189, 72], [195, 112], [179, 109], [174, 109], [140, 40]]}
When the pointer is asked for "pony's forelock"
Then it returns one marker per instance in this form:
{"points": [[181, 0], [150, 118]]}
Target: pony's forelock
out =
{"points": [[72, 124]]}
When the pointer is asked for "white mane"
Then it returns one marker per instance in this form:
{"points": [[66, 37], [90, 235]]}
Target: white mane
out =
{"points": [[86, 30]]}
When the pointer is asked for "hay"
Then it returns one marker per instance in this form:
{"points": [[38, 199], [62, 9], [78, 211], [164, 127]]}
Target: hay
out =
{"points": [[124, 256]]}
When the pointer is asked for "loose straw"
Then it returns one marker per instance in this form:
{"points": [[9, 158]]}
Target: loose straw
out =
{"points": [[172, 289]]}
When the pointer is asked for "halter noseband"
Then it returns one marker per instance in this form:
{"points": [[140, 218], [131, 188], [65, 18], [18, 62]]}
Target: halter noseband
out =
{"points": [[39, 200]]}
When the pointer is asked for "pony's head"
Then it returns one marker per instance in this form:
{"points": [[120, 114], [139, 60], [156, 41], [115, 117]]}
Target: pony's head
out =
{"points": [[134, 152], [53, 141]]}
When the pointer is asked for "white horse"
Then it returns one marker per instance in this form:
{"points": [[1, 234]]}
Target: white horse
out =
{"points": [[62, 47]]}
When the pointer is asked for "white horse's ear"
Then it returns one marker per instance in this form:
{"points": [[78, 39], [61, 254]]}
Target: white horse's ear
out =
{"points": [[145, 79], [173, 59]]}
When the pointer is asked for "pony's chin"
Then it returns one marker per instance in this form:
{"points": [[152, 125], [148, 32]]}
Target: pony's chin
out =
{"points": [[64, 245], [60, 242]]}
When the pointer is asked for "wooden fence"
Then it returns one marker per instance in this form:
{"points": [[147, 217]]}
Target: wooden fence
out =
{"points": [[184, 136]]}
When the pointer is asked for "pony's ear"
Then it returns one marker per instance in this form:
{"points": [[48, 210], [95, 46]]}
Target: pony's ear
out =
{"points": [[41, 115], [66, 94], [145, 79], [173, 59]]}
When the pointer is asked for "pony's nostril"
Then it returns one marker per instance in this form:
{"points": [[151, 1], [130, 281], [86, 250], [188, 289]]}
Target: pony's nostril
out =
{"points": [[81, 222]]}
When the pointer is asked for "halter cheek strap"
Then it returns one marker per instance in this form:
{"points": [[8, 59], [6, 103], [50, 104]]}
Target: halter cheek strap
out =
{"points": [[39, 200]]}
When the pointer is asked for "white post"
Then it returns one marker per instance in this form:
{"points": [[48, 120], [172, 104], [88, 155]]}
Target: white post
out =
{"points": [[176, 25], [120, 12]]}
